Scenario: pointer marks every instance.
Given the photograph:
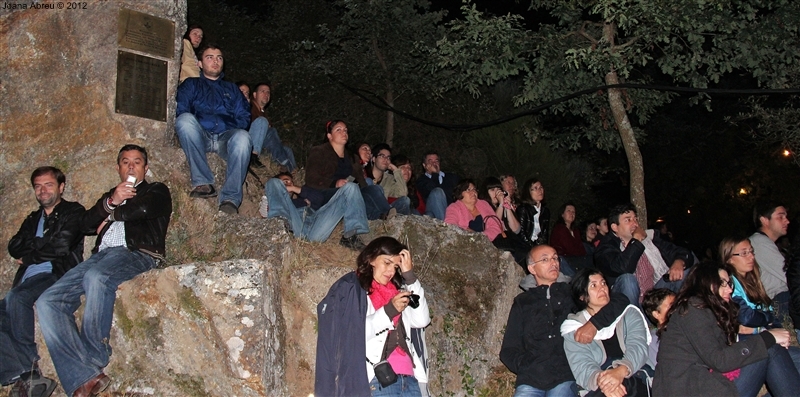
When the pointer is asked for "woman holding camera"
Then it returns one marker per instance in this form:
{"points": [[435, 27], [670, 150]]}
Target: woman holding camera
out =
{"points": [[384, 300]]}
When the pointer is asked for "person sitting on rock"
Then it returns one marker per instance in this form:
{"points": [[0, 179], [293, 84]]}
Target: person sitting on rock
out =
{"points": [[381, 172], [264, 135], [47, 245], [330, 170], [131, 224], [211, 117], [436, 186]]}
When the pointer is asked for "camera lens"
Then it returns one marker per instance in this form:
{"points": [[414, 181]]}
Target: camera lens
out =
{"points": [[413, 301]]}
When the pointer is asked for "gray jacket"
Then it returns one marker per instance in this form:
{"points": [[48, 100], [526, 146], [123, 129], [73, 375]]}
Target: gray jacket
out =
{"points": [[585, 360]]}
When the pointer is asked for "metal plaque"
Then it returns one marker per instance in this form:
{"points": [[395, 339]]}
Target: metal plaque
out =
{"points": [[146, 33], [141, 86]]}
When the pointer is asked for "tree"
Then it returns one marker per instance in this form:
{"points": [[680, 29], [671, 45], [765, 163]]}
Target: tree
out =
{"points": [[606, 42], [374, 47]]}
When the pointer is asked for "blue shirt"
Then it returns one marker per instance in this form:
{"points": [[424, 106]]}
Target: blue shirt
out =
{"points": [[39, 268], [218, 105]]}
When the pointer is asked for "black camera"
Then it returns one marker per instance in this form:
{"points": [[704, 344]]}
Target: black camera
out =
{"points": [[413, 301], [505, 193]]}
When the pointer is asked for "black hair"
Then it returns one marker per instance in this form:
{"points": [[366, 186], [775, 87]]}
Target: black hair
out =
{"points": [[430, 153], [57, 174], [242, 83], [380, 146], [329, 127], [461, 187], [280, 174], [380, 246], [189, 30], [561, 210], [652, 300], [580, 286], [208, 46], [527, 197], [489, 183], [616, 211], [702, 287], [763, 209], [130, 147]]}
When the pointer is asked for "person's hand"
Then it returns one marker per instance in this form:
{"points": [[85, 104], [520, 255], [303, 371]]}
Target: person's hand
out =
{"points": [[400, 301], [122, 192], [745, 330], [619, 391], [340, 183], [781, 336], [507, 203], [640, 234], [611, 379], [676, 270], [585, 333], [102, 225], [405, 261], [392, 167]]}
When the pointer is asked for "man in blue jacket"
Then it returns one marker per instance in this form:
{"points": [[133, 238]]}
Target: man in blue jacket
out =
{"points": [[212, 117]]}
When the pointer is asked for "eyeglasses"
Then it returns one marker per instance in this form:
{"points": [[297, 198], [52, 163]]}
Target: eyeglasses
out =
{"points": [[384, 156], [745, 253], [726, 283], [553, 258]]}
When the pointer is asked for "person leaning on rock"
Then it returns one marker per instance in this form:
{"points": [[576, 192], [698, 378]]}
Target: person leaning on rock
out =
{"points": [[47, 245], [131, 222], [211, 117]]}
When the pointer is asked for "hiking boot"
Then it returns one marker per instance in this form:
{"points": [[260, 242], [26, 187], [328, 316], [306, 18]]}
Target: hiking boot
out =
{"points": [[352, 242], [228, 208], [203, 191], [263, 207], [255, 162]]}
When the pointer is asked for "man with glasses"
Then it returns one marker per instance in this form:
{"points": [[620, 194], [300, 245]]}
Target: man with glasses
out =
{"points": [[533, 347], [436, 186], [390, 179], [636, 260], [771, 224]]}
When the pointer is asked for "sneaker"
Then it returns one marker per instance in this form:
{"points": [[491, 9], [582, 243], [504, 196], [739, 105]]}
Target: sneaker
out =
{"points": [[255, 162], [263, 207], [228, 208], [352, 242], [203, 191], [40, 386]]}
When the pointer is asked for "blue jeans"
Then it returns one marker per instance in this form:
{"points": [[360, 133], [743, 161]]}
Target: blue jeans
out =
{"points": [[317, 225], [779, 372], [233, 146], [565, 389], [80, 355], [375, 201], [436, 204], [17, 342], [405, 386], [627, 285], [265, 136]]}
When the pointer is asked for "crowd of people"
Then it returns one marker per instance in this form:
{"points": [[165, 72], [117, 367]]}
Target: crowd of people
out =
{"points": [[608, 307]]}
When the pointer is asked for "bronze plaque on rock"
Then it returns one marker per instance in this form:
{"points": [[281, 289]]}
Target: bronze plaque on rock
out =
{"points": [[146, 33], [141, 86]]}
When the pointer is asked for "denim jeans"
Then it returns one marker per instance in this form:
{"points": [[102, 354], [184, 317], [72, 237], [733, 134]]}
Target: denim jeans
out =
{"points": [[628, 286], [405, 386], [402, 205], [17, 342], [565, 389], [317, 225], [265, 136], [233, 146], [779, 371], [436, 204], [80, 355]]}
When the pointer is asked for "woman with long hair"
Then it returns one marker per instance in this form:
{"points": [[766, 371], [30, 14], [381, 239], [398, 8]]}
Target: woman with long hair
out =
{"points": [[383, 300], [614, 363], [534, 217], [755, 306], [406, 168], [700, 353], [191, 42], [493, 193]]}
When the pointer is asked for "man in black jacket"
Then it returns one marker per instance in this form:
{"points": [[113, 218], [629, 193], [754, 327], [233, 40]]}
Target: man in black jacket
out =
{"points": [[533, 347], [131, 221], [635, 260], [48, 243], [436, 186]]}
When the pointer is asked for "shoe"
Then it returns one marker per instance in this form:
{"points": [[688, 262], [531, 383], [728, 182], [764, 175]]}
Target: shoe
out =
{"points": [[203, 191], [352, 242], [255, 162], [39, 386], [19, 389], [263, 207], [93, 387], [229, 208]]}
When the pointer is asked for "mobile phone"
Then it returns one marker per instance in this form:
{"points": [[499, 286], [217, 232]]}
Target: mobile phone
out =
{"points": [[131, 180], [350, 178]]}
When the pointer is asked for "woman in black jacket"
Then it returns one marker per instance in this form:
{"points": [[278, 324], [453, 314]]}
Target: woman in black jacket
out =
{"points": [[534, 217]]}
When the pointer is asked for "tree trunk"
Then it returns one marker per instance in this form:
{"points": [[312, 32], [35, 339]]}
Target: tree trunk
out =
{"points": [[632, 152], [389, 117]]}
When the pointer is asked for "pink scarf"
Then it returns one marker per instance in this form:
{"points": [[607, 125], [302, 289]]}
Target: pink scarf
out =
{"points": [[383, 294]]}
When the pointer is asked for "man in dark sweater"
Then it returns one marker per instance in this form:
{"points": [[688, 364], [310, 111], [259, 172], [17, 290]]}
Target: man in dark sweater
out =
{"points": [[436, 186], [533, 347]]}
